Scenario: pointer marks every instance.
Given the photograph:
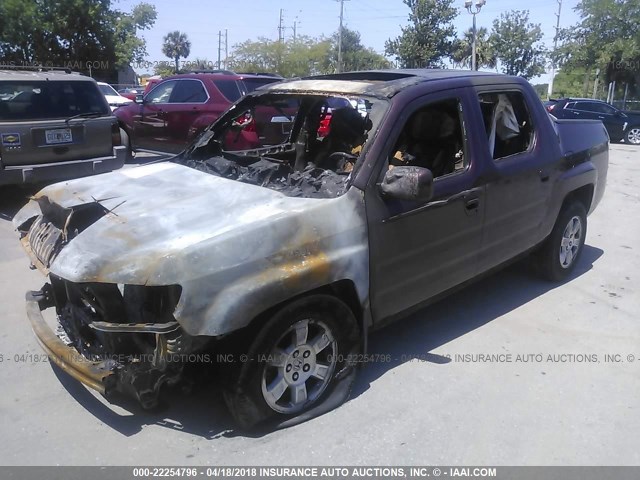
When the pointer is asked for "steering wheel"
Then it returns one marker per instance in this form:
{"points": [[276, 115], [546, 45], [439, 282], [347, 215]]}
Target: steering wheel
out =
{"points": [[344, 161]]}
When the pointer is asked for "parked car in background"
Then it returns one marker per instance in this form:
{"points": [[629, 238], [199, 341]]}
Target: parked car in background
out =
{"points": [[151, 82], [178, 108], [549, 104], [114, 99], [55, 124], [131, 92], [621, 124], [282, 258]]}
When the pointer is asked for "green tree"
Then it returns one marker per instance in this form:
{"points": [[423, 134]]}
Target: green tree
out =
{"points": [[575, 82], [199, 64], [355, 56], [606, 38], [428, 38], [305, 56], [21, 31], [164, 69], [176, 45], [516, 43], [463, 50], [72, 33], [541, 90], [56, 32], [129, 47]]}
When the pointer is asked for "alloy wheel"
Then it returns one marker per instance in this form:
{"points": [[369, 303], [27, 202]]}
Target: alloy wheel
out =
{"points": [[571, 242], [633, 136], [300, 366]]}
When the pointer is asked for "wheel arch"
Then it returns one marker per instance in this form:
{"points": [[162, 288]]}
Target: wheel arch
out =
{"points": [[583, 194], [343, 290]]}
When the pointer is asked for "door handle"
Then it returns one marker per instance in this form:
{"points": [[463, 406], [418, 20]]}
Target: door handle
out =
{"points": [[544, 175], [472, 206]]}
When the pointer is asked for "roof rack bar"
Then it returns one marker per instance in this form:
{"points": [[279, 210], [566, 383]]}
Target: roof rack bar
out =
{"points": [[261, 74], [38, 68], [224, 72]]}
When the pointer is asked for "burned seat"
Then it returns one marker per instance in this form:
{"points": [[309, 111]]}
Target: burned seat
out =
{"points": [[429, 141], [348, 130]]}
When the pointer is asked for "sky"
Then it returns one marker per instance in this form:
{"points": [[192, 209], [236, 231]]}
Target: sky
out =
{"points": [[376, 20]]}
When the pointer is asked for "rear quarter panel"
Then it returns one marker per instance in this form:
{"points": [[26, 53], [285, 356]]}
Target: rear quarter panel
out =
{"points": [[584, 147]]}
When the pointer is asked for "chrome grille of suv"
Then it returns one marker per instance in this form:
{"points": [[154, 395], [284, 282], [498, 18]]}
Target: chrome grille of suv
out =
{"points": [[43, 238]]}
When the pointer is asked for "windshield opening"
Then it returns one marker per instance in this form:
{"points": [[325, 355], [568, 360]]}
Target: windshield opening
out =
{"points": [[303, 145]]}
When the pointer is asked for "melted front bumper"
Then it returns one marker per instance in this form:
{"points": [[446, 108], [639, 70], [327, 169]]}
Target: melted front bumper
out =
{"points": [[96, 375]]}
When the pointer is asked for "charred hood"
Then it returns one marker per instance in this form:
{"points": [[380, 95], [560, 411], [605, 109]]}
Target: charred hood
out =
{"points": [[127, 226]]}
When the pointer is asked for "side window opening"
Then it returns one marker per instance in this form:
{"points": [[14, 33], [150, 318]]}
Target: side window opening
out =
{"points": [[507, 122], [188, 91], [229, 89], [161, 93], [432, 138]]}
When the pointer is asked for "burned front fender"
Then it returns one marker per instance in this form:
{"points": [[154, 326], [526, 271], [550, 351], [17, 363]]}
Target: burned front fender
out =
{"points": [[291, 255]]}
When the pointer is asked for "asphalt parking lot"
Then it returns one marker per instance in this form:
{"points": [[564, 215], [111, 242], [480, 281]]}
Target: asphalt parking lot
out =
{"points": [[510, 371]]}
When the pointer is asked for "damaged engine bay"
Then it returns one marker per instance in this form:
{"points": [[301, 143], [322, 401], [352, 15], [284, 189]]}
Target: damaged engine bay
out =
{"points": [[125, 334], [300, 145]]}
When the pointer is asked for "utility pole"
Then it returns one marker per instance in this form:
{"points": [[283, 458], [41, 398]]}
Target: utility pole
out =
{"points": [[296, 21], [595, 83], [280, 28], [555, 46], [219, 48], [226, 48], [339, 67]]}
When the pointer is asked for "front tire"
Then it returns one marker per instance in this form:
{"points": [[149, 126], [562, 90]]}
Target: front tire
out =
{"points": [[562, 250], [293, 363], [633, 135]]}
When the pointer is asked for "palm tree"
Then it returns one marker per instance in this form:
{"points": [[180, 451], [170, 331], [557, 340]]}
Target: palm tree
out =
{"points": [[176, 45], [462, 51]]}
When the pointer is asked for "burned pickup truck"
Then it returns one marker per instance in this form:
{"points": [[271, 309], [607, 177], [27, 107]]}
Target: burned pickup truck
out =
{"points": [[310, 213]]}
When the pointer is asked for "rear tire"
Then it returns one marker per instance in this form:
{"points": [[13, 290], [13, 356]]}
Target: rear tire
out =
{"points": [[561, 251], [293, 363]]}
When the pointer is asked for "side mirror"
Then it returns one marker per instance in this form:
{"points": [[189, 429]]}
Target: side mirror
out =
{"points": [[139, 98], [408, 183]]}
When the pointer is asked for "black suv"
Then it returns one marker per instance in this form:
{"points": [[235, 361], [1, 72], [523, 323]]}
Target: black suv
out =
{"points": [[621, 124]]}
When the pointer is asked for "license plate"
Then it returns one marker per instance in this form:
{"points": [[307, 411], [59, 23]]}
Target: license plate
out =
{"points": [[59, 135]]}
